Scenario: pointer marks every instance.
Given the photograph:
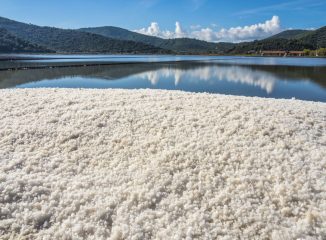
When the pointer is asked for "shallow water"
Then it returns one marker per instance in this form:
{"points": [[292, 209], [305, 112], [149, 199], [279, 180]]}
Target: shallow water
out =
{"points": [[300, 78]]}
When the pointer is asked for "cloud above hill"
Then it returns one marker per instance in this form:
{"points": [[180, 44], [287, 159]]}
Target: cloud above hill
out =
{"points": [[154, 30], [234, 34]]}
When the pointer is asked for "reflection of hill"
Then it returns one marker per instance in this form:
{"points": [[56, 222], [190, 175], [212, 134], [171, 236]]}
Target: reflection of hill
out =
{"points": [[315, 74], [13, 78], [261, 75]]}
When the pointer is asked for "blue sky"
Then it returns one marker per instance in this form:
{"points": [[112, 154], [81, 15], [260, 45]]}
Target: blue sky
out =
{"points": [[196, 18]]}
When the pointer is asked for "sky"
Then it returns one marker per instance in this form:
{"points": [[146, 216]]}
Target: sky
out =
{"points": [[210, 20]]}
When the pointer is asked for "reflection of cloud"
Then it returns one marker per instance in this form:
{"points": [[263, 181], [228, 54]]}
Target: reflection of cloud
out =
{"points": [[236, 74], [248, 76], [177, 76], [152, 76]]}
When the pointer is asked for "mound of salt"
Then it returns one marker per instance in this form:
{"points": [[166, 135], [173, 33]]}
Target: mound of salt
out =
{"points": [[145, 164]]}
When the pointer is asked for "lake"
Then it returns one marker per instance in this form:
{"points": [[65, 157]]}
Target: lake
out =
{"points": [[300, 78]]}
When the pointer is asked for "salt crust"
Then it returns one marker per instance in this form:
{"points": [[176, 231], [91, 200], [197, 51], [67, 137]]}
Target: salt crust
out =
{"points": [[151, 164]]}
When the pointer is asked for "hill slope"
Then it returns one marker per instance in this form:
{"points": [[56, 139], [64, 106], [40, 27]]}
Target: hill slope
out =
{"points": [[293, 40], [317, 38], [73, 41], [187, 45], [271, 45], [291, 34], [12, 44], [123, 34]]}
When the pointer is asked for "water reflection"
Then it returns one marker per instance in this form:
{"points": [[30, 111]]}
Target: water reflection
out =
{"points": [[305, 82], [235, 74]]}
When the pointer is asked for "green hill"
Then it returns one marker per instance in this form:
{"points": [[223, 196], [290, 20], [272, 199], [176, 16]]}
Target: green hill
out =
{"points": [[123, 34], [291, 34], [22, 37], [12, 44], [316, 38], [291, 40], [73, 41], [179, 45], [271, 45], [193, 46]]}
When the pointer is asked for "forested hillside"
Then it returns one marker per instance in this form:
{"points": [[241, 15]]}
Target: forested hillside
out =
{"points": [[291, 40], [124, 34], [73, 41], [316, 38], [271, 45], [291, 34], [12, 44]]}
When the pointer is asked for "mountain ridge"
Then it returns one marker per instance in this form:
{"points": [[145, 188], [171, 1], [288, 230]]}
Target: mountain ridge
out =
{"points": [[11, 44], [109, 39], [290, 40], [290, 34], [179, 45], [73, 41]]}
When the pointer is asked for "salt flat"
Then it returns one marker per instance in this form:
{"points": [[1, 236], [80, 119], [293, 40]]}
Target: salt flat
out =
{"points": [[151, 164]]}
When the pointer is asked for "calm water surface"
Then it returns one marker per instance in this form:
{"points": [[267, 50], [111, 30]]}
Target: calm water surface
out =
{"points": [[301, 78]]}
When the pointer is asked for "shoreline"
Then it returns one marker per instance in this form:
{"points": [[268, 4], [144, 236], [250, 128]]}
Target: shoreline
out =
{"points": [[85, 163], [17, 57], [87, 63]]}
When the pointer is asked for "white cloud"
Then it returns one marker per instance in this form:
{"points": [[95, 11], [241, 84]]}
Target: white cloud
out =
{"points": [[252, 32], [179, 33], [206, 34], [234, 34], [154, 30]]}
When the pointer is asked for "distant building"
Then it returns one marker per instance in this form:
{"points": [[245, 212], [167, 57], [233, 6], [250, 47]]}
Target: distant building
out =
{"points": [[252, 52], [296, 53], [282, 53]]}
